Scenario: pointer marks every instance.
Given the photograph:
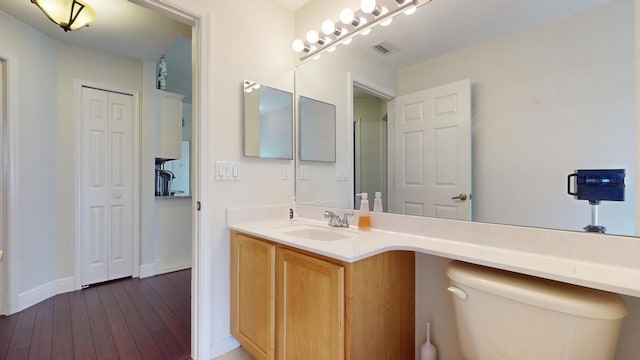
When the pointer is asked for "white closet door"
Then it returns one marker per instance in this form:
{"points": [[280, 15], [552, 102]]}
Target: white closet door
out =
{"points": [[107, 184]]}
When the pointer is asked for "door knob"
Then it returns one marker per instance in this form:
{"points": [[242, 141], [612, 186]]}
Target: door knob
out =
{"points": [[462, 197]]}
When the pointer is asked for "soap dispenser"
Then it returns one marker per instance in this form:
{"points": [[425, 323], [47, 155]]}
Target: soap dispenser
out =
{"points": [[364, 220], [377, 202]]}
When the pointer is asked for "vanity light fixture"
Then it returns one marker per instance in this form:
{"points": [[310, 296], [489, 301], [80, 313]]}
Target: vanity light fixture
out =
{"points": [[70, 15], [355, 22]]}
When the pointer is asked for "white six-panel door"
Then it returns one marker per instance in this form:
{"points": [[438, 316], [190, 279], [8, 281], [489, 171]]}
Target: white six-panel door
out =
{"points": [[433, 152], [107, 184]]}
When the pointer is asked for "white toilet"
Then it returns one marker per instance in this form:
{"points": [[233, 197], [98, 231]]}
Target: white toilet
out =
{"points": [[507, 316]]}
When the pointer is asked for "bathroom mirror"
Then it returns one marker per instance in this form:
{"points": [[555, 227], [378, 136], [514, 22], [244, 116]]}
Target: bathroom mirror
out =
{"points": [[317, 130], [268, 121], [552, 91]]}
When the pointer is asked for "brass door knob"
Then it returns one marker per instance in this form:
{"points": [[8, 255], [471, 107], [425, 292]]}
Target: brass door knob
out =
{"points": [[462, 197]]}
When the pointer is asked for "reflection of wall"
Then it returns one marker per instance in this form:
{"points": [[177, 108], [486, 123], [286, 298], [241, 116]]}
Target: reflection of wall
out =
{"points": [[320, 185], [275, 131], [544, 104]]}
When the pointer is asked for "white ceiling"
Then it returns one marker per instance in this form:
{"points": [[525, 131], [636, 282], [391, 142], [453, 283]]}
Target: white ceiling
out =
{"points": [[121, 27]]}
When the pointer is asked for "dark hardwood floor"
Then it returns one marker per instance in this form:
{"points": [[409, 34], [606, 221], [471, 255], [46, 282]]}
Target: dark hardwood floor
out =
{"points": [[126, 319]]}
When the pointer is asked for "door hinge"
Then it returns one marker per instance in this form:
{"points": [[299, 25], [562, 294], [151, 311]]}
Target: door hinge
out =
{"points": [[197, 205]]}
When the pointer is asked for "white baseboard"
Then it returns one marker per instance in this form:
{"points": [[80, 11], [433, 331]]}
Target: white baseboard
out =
{"points": [[172, 269], [43, 292], [223, 346], [148, 270]]}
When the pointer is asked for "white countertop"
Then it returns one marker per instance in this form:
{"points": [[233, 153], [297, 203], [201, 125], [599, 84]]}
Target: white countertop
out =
{"points": [[600, 262]]}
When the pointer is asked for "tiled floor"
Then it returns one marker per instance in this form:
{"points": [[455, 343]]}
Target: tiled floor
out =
{"points": [[237, 354]]}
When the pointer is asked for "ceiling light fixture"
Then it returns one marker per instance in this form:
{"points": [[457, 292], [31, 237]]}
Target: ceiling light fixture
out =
{"points": [[70, 15], [360, 21]]}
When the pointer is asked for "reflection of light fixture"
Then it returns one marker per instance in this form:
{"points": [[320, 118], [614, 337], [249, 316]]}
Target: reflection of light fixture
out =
{"points": [[249, 86], [359, 21], [68, 14]]}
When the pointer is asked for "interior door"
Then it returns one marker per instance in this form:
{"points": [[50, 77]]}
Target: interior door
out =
{"points": [[107, 183], [432, 149]]}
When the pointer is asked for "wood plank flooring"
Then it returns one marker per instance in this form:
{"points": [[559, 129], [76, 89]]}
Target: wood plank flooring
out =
{"points": [[126, 319]]}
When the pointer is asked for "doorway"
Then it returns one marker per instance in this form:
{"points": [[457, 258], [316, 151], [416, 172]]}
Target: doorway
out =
{"points": [[370, 141]]}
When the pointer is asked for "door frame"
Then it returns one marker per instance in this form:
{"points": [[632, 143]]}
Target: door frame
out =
{"points": [[10, 200], [201, 21], [78, 85]]}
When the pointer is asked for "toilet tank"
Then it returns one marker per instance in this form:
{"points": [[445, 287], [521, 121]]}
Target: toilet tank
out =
{"points": [[505, 315]]}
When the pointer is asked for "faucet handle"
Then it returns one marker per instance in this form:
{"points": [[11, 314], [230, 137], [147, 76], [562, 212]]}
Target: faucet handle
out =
{"points": [[345, 219], [329, 214]]}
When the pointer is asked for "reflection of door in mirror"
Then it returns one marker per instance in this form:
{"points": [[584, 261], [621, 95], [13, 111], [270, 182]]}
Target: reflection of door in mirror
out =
{"points": [[432, 151], [370, 144]]}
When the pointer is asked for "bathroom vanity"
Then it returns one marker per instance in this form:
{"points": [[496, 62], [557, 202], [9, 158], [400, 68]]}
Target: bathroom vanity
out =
{"points": [[590, 260], [287, 302]]}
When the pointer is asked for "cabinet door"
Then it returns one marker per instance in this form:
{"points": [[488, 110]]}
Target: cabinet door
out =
{"points": [[253, 295], [168, 125], [310, 308]]}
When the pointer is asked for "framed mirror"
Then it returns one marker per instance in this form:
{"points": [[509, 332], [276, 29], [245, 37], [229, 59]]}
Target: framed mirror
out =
{"points": [[268, 121], [552, 90], [317, 130]]}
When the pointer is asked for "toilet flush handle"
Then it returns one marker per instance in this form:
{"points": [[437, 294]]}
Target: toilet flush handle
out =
{"points": [[458, 292]]}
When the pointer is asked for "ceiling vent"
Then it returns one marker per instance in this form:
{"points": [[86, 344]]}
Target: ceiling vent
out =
{"points": [[385, 48]]}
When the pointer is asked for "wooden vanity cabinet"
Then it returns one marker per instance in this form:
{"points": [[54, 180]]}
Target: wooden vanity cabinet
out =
{"points": [[325, 309], [253, 295]]}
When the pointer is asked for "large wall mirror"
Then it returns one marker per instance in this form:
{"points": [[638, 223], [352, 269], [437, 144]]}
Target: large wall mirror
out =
{"points": [[552, 90], [268, 121]]}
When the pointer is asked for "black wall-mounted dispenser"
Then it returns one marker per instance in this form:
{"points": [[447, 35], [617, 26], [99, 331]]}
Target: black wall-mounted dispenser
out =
{"points": [[597, 185]]}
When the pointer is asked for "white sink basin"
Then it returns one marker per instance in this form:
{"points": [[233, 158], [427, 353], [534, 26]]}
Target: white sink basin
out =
{"points": [[314, 232]]}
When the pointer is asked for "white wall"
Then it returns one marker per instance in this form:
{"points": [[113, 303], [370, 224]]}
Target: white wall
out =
{"points": [[172, 234], [37, 198], [545, 102]]}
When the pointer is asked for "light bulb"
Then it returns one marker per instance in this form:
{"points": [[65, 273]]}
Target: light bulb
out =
{"points": [[368, 6], [297, 45], [346, 16], [347, 41], [312, 36], [332, 49], [389, 20], [328, 27], [412, 9], [363, 22]]}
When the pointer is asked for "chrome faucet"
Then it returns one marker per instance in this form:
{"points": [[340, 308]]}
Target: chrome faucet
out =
{"points": [[335, 220]]}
